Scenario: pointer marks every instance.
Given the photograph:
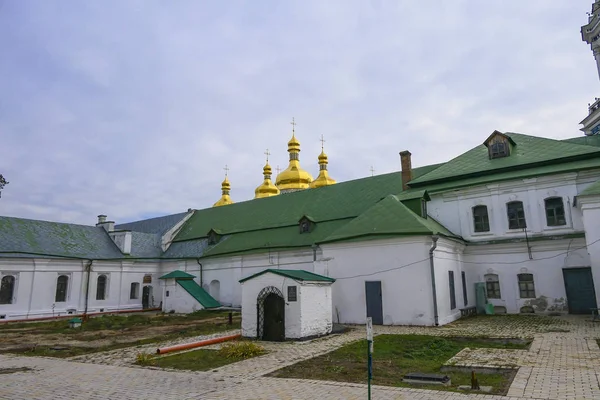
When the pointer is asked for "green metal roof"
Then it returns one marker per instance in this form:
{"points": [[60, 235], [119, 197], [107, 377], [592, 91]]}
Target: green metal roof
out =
{"points": [[298, 275], [177, 274], [389, 218], [529, 151], [593, 140], [413, 194], [592, 190], [198, 293]]}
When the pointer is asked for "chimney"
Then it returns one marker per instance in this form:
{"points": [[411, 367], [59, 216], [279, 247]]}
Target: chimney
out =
{"points": [[109, 226], [406, 168]]}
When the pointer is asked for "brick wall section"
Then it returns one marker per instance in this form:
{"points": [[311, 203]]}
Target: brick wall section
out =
{"points": [[405, 163]]}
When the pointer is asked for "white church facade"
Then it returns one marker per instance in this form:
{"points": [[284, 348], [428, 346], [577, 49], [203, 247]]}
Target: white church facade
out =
{"points": [[516, 219]]}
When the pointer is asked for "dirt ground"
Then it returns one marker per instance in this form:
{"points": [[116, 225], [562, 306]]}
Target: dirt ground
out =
{"points": [[21, 336]]}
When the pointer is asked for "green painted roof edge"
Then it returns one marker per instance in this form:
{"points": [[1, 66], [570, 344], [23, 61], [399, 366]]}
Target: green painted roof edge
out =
{"points": [[177, 274], [593, 189], [201, 296], [286, 273]]}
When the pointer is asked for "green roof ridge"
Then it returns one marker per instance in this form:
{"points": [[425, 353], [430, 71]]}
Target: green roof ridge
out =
{"points": [[198, 293], [177, 274], [296, 274]]}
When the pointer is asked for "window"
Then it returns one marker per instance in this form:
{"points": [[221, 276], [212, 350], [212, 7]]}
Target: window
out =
{"points": [[481, 221], [452, 291], [423, 208], [526, 286], [516, 215], [555, 211], [62, 283], [464, 283], [7, 289], [134, 293], [492, 286], [101, 287], [167, 294], [499, 149], [292, 293], [213, 238], [304, 226]]}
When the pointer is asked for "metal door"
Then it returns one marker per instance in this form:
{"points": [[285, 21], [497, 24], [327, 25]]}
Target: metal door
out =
{"points": [[146, 297], [374, 301], [274, 318], [579, 286]]}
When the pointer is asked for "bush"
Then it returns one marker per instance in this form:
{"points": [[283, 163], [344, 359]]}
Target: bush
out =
{"points": [[243, 350], [145, 359]]}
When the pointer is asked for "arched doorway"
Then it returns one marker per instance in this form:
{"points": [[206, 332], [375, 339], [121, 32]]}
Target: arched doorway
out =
{"points": [[215, 289], [271, 315], [147, 300]]}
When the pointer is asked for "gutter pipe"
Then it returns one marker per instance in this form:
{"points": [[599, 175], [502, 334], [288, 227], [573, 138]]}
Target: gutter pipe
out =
{"points": [[88, 267], [201, 343], [200, 264], [434, 292]]}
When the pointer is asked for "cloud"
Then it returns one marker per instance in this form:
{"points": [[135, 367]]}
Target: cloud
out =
{"points": [[133, 108]]}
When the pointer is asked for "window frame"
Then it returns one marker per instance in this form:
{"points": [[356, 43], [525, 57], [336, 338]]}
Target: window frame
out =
{"points": [[65, 292], [555, 209], [499, 149], [134, 291], [492, 286], [105, 286], [485, 219], [526, 286], [513, 215], [13, 285], [452, 288]]}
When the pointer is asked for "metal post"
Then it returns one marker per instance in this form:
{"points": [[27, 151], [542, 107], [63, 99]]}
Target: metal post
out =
{"points": [[230, 322], [370, 366]]}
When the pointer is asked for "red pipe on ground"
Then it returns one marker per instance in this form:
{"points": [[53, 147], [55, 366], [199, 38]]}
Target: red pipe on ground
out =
{"points": [[197, 344]]}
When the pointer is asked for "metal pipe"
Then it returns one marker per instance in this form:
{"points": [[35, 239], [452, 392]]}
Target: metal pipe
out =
{"points": [[200, 264], [87, 288], [435, 306]]}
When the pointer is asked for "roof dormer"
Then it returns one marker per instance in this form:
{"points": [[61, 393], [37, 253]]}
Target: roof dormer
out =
{"points": [[499, 145], [213, 237], [306, 224]]}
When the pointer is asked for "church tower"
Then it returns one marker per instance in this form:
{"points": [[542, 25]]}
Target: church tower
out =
{"points": [[293, 178], [225, 188], [590, 33], [323, 179], [267, 188]]}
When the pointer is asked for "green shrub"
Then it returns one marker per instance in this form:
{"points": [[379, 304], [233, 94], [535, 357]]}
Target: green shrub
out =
{"points": [[242, 350], [145, 359]]}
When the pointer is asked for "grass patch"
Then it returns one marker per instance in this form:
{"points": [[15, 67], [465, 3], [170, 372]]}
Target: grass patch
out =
{"points": [[396, 355], [71, 351], [205, 360]]}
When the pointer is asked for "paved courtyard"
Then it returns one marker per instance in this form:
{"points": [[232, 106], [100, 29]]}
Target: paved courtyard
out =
{"points": [[562, 363]]}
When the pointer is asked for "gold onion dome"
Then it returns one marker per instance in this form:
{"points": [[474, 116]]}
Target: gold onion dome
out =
{"points": [[267, 188], [225, 188], [294, 177], [323, 179]]}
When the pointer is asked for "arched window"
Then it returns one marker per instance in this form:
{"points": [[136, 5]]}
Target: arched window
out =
{"points": [[62, 284], [215, 288], [101, 287], [516, 215], [7, 289], [555, 211], [492, 286], [134, 292], [481, 221], [526, 286]]}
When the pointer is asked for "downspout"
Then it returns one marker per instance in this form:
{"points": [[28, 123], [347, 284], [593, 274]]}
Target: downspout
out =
{"points": [[435, 306], [88, 267], [200, 264]]}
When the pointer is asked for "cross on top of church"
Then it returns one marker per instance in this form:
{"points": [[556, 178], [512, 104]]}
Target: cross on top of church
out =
{"points": [[322, 140], [372, 170], [278, 169], [267, 154], [293, 125], [226, 170]]}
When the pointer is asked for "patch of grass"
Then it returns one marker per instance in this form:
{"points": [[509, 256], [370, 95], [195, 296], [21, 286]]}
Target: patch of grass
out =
{"points": [[205, 360], [396, 355], [145, 359]]}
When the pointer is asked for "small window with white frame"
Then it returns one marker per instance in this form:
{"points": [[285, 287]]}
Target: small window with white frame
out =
{"points": [[492, 286], [555, 211], [526, 286], [134, 292]]}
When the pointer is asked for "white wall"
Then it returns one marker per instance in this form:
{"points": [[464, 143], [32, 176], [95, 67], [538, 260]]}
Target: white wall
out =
{"points": [[453, 208], [406, 292], [447, 257], [590, 207], [178, 300], [316, 309]]}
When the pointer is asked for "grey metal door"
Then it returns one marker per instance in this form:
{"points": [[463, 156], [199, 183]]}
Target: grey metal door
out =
{"points": [[374, 302], [579, 286]]}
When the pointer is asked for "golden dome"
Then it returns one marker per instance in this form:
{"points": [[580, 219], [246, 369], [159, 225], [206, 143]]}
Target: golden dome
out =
{"points": [[267, 188], [294, 177], [323, 179], [225, 188]]}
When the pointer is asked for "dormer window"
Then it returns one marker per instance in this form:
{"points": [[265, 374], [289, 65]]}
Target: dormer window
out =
{"points": [[306, 225], [213, 237], [499, 145]]}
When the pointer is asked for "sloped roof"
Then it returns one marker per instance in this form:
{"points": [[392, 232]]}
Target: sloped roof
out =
{"points": [[529, 151], [177, 274], [34, 237], [389, 217], [158, 226], [296, 274], [592, 190], [198, 293], [145, 245], [593, 140]]}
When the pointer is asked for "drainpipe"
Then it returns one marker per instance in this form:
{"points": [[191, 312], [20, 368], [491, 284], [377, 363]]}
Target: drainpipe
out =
{"points": [[200, 264], [435, 306], [88, 268]]}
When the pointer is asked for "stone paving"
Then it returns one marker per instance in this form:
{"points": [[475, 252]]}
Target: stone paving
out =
{"points": [[560, 364]]}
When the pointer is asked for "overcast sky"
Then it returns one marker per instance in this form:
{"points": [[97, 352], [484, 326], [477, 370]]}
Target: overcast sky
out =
{"points": [[133, 108]]}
